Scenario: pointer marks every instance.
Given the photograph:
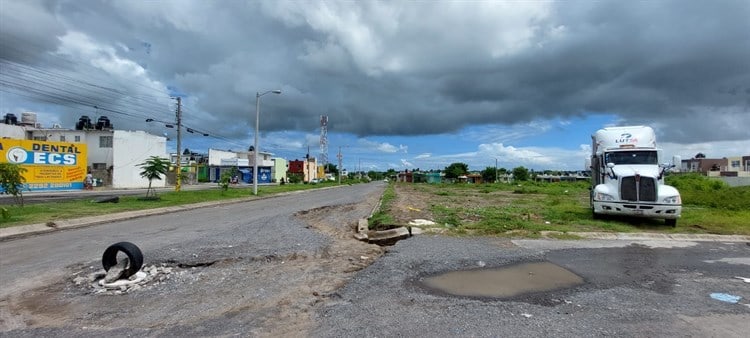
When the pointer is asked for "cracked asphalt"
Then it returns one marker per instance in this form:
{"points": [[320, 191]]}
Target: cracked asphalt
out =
{"points": [[288, 266]]}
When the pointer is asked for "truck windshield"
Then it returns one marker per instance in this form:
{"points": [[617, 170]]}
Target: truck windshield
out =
{"points": [[631, 157]]}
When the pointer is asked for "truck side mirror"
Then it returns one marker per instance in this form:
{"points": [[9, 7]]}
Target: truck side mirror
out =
{"points": [[610, 165]]}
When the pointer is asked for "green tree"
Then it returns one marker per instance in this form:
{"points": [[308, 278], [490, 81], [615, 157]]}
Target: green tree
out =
{"points": [[294, 177], [520, 174], [331, 168], [153, 169], [456, 169], [489, 174], [226, 176], [375, 176], [11, 180]]}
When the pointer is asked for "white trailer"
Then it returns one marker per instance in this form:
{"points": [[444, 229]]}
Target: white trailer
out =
{"points": [[626, 177]]}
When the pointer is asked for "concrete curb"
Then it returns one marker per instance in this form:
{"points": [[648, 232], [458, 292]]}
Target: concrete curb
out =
{"points": [[40, 228], [641, 236]]}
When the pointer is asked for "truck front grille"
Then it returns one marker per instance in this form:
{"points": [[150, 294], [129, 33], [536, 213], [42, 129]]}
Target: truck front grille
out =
{"points": [[640, 189]]}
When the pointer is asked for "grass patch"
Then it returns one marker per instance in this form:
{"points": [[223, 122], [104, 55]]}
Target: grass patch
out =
{"points": [[382, 217], [55, 211], [709, 206]]}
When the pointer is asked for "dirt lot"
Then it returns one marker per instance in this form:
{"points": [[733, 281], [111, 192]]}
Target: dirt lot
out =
{"points": [[414, 201]]}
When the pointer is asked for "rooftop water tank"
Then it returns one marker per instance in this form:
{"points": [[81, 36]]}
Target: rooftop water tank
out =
{"points": [[10, 119], [28, 118]]}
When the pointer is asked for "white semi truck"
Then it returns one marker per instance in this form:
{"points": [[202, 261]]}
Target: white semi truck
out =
{"points": [[627, 178]]}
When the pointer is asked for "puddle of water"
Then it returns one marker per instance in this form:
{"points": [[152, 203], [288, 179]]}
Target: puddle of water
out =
{"points": [[506, 281]]}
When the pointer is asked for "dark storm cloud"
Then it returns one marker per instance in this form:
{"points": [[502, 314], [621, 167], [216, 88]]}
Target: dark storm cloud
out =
{"points": [[28, 30], [678, 64], [393, 68]]}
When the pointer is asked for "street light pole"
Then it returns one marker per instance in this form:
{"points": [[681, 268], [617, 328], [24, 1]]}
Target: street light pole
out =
{"points": [[255, 145], [178, 184]]}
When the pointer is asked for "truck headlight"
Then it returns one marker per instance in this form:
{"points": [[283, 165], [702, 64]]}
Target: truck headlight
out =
{"points": [[603, 197], [673, 200]]}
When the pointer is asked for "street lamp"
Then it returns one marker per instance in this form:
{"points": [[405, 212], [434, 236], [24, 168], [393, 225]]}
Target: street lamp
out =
{"points": [[255, 146]]}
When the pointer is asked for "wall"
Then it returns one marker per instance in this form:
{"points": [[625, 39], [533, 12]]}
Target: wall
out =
{"points": [[264, 159], [49, 165], [131, 148], [311, 169], [215, 156], [11, 131], [278, 171], [97, 154], [736, 181]]}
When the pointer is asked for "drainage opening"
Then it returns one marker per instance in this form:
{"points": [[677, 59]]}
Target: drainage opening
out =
{"points": [[504, 282]]}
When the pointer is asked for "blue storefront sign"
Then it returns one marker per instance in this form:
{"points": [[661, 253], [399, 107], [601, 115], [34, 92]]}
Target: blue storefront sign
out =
{"points": [[264, 173]]}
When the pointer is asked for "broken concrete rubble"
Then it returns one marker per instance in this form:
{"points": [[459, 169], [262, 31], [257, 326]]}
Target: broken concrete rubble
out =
{"points": [[116, 271], [148, 276]]}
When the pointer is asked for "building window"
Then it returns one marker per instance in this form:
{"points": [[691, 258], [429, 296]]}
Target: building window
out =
{"points": [[40, 138], [62, 138], [735, 164], [77, 138], [99, 166], [105, 141]]}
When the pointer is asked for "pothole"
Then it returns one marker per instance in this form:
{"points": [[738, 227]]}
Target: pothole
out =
{"points": [[504, 282]]}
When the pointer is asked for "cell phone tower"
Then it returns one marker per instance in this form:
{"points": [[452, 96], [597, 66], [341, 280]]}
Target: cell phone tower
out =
{"points": [[323, 140]]}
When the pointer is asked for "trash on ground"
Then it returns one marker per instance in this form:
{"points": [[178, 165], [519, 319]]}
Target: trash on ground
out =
{"points": [[744, 279], [115, 272], [527, 315], [421, 222], [724, 297], [137, 278]]}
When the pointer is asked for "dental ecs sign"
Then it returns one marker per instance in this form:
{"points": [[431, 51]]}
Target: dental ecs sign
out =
{"points": [[49, 165]]}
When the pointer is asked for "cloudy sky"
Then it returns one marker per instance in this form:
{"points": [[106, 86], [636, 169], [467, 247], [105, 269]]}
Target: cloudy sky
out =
{"points": [[416, 84]]}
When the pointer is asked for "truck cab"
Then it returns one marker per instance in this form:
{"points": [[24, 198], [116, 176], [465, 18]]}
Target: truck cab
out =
{"points": [[627, 178]]}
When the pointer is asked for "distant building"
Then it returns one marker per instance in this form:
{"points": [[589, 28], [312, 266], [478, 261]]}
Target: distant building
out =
{"points": [[703, 165], [220, 161], [727, 166]]}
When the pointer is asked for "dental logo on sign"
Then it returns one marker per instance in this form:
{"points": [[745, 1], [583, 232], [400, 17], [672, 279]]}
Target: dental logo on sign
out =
{"points": [[17, 155]]}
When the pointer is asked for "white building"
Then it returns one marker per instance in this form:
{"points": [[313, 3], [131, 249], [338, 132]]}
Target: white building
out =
{"points": [[113, 156]]}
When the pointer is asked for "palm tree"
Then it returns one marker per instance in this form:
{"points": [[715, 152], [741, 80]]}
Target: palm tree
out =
{"points": [[154, 168]]}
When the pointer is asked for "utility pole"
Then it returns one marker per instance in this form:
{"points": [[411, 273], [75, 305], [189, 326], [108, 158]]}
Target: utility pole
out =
{"points": [[340, 157], [179, 144], [495, 170]]}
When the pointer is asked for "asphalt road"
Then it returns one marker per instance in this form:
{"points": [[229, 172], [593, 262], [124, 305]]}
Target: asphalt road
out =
{"points": [[260, 227], [256, 269], [631, 289]]}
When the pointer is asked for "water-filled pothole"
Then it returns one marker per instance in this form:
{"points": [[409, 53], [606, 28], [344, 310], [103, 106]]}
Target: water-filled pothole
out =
{"points": [[505, 282]]}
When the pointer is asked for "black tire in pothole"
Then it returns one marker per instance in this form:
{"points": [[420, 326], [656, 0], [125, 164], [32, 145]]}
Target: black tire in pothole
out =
{"points": [[109, 258]]}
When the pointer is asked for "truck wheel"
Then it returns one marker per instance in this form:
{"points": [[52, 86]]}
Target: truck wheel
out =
{"points": [[594, 215], [109, 258], [671, 222]]}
